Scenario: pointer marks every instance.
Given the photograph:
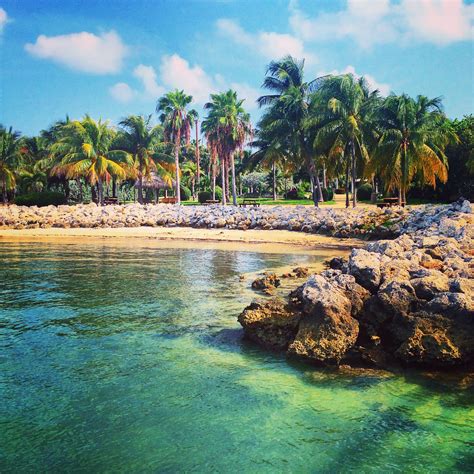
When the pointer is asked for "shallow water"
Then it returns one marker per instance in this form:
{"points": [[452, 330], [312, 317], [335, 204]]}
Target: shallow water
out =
{"points": [[129, 358]]}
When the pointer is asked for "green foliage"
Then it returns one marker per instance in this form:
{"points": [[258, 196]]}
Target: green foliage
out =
{"points": [[295, 194], [206, 195], [46, 198], [185, 193], [364, 192]]}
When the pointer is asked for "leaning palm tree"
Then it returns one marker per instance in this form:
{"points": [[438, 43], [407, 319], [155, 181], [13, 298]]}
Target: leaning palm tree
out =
{"points": [[85, 150], [341, 109], [10, 143], [413, 137], [227, 127], [177, 121], [287, 111], [144, 142]]}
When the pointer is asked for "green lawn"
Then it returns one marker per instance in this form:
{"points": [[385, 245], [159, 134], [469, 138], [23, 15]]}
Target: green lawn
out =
{"points": [[271, 202]]}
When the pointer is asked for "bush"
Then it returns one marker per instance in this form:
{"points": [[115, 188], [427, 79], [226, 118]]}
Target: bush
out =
{"points": [[185, 193], [328, 194], [46, 198], [295, 194], [340, 191], [364, 192], [206, 195]]}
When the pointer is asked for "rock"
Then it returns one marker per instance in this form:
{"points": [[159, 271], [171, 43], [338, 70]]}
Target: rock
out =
{"points": [[365, 267], [326, 330], [336, 263], [267, 283], [397, 297], [301, 272], [272, 324], [427, 287]]}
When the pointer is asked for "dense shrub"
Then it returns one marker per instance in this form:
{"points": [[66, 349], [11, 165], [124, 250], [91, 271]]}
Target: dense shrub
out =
{"points": [[294, 193], [45, 198], [185, 193], [364, 192], [206, 195], [328, 194]]}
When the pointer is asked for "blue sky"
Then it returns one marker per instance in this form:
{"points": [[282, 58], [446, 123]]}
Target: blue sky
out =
{"points": [[113, 58]]}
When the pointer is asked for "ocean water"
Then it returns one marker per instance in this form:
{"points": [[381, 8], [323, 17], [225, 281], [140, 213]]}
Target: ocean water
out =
{"points": [[130, 359]]}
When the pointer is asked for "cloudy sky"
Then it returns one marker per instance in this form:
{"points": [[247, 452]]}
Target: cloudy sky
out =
{"points": [[112, 58]]}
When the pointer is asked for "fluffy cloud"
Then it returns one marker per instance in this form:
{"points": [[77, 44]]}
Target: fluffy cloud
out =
{"points": [[384, 89], [3, 19], [270, 45], [122, 92], [84, 51], [383, 21], [147, 76]]}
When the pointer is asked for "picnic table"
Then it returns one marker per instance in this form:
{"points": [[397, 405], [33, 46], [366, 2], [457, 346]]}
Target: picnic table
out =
{"points": [[110, 200], [388, 202], [249, 202], [169, 200]]}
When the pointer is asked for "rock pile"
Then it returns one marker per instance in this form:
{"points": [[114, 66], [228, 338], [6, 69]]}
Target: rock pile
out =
{"points": [[336, 222], [408, 301]]}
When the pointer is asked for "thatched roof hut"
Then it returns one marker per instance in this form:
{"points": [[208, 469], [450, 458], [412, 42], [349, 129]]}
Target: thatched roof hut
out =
{"points": [[155, 181]]}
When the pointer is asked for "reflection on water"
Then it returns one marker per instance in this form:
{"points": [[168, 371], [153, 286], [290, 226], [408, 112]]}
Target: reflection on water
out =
{"points": [[130, 359]]}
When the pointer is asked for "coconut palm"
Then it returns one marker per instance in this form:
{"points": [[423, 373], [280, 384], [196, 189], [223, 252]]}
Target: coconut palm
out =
{"points": [[342, 108], [177, 121], [191, 173], [227, 128], [413, 136], [288, 112], [85, 150], [144, 143], [10, 157]]}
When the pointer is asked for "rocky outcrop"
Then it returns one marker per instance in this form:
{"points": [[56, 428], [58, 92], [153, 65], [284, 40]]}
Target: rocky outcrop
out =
{"points": [[408, 301], [267, 283]]}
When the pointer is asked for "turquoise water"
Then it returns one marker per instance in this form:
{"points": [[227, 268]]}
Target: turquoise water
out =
{"points": [[130, 359]]}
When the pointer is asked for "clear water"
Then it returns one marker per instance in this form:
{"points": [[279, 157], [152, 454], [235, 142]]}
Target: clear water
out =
{"points": [[130, 359]]}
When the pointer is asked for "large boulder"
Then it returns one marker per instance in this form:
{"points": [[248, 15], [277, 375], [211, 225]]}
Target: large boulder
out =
{"points": [[365, 267], [326, 330], [272, 324]]}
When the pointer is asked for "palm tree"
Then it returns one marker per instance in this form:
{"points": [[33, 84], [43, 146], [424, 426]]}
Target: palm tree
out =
{"points": [[288, 112], [10, 143], [190, 171], [85, 150], [177, 122], [139, 138], [341, 108], [413, 137], [227, 128]]}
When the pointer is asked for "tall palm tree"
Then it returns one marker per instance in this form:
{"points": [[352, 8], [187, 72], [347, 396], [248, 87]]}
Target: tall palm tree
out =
{"points": [[177, 121], [144, 142], [288, 112], [190, 171], [413, 136], [10, 142], [227, 128], [85, 150], [341, 108]]}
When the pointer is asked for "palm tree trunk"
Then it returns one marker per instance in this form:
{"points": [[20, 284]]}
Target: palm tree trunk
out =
{"points": [[176, 164], [347, 184], [403, 184], [100, 191], [318, 187], [274, 181], [198, 157], [325, 182], [140, 189], [213, 181], [234, 184], [313, 189], [223, 183], [227, 179], [4, 191], [79, 187], [354, 190]]}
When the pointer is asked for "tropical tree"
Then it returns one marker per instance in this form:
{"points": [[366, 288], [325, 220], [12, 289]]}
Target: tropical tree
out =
{"points": [[287, 114], [191, 174], [227, 128], [177, 121], [342, 108], [144, 143], [85, 151], [10, 156], [413, 136]]}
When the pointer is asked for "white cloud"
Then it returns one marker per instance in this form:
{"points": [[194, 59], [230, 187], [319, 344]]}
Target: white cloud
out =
{"points": [[147, 76], [383, 88], [83, 51], [370, 22], [122, 92], [3, 19], [270, 45], [177, 73]]}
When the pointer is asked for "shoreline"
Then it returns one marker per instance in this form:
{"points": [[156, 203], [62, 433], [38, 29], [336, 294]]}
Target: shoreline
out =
{"points": [[278, 241]]}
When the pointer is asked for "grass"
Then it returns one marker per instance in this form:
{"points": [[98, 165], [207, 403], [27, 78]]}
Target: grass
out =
{"points": [[271, 202]]}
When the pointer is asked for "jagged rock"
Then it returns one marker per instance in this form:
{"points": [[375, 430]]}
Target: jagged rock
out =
{"points": [[301, 272], [272, 323], [326, 330], [365, 267], [427, 287], [267, 283]]}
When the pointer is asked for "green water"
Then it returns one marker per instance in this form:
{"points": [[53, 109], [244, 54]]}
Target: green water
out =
{"points": [[129, 359]]}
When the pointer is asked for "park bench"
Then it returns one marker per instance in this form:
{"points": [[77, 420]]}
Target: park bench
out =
{"points": [[389, 202], [209, 202], [110, 200], [249, 202], [168, 200]]}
